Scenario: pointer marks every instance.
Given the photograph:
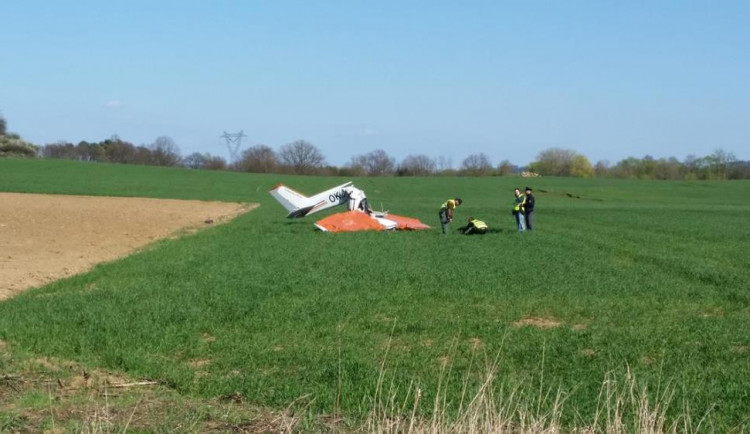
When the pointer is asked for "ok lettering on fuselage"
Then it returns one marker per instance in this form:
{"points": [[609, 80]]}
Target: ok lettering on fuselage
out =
{"points": [[335, 197]]}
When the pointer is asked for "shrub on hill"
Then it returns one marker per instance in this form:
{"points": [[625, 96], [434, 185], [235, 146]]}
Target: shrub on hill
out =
{"points": [[12, 145]]}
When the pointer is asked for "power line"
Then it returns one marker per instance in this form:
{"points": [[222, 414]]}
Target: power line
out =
{"points": [[234, 143]]}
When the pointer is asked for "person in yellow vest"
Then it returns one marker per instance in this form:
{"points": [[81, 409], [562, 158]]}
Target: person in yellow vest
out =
{"points": [[518, 210], [474, 227], [446, 212]]}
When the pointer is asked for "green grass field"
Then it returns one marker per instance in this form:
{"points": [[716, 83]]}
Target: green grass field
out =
{"points": [[647, 277]]}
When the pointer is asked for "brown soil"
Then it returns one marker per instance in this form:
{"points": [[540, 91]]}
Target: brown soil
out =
{"points": [[475, 343], [538, 321], [197, 363], [48, 237]]}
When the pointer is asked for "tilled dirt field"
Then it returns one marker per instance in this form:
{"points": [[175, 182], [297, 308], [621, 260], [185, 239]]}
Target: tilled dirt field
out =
{"points": [[47, 237]]}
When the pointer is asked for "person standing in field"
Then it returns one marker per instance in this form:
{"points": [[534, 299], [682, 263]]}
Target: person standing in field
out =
{"points": [[474, 227], [446, 212], [518, 214], [528, 208]]}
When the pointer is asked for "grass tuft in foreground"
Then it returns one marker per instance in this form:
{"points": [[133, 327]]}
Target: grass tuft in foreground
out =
{"points": [[490, 404], [43, 394]]}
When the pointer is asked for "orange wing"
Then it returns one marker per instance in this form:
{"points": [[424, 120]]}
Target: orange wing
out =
{"points": [[350, 221], [407, 223]]}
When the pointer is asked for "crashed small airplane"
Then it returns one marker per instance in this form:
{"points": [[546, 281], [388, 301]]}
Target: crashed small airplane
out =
{"points": [[360, 216]]}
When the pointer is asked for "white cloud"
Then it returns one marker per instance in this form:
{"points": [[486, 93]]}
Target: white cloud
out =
{"points": [[114, 104]]}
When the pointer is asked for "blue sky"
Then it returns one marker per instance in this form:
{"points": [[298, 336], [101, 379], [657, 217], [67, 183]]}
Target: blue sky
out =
{"points": [[608, 79]]}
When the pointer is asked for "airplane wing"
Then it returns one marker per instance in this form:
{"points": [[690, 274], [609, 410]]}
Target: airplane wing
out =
{"points": [[406, 223], [353, 221], [350, 221], [300, 212]]}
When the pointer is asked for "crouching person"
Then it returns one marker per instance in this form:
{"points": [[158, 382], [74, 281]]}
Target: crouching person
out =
{"points": [[474, 227]]}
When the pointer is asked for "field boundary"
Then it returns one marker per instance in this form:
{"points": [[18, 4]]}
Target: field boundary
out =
{"points": [[48, 237]]}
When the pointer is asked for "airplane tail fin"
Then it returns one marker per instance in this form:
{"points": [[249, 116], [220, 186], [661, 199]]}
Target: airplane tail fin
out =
{"points": [[288, 198]]}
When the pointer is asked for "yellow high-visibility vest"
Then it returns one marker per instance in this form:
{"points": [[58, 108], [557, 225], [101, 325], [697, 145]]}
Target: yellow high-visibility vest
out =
{"points": [[449, 204], [479, 224]]}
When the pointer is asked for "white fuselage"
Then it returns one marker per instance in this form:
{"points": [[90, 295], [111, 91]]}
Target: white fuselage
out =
{"points": [[300, 205]]}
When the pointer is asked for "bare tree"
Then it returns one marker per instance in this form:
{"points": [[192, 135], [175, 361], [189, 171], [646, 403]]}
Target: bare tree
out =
{"points": [[196, 160], [668, 168], [301, 157], [739, 170], [476, 165], [143, 155], [506, 168], [444, 163], [601, 168], [206, 161], [215, 162], [258, 159], [90, 151], [60, 150], [416, 165], [375, 163], [164, 152]]}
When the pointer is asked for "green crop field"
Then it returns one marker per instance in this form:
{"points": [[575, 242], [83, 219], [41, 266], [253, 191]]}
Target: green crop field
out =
{"points": [[649, 279]]}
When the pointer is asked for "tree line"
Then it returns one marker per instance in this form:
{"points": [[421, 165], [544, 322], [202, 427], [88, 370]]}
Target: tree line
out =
{"points": [[299, 157], [719, 165], [162, 152], [304, 158]]}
